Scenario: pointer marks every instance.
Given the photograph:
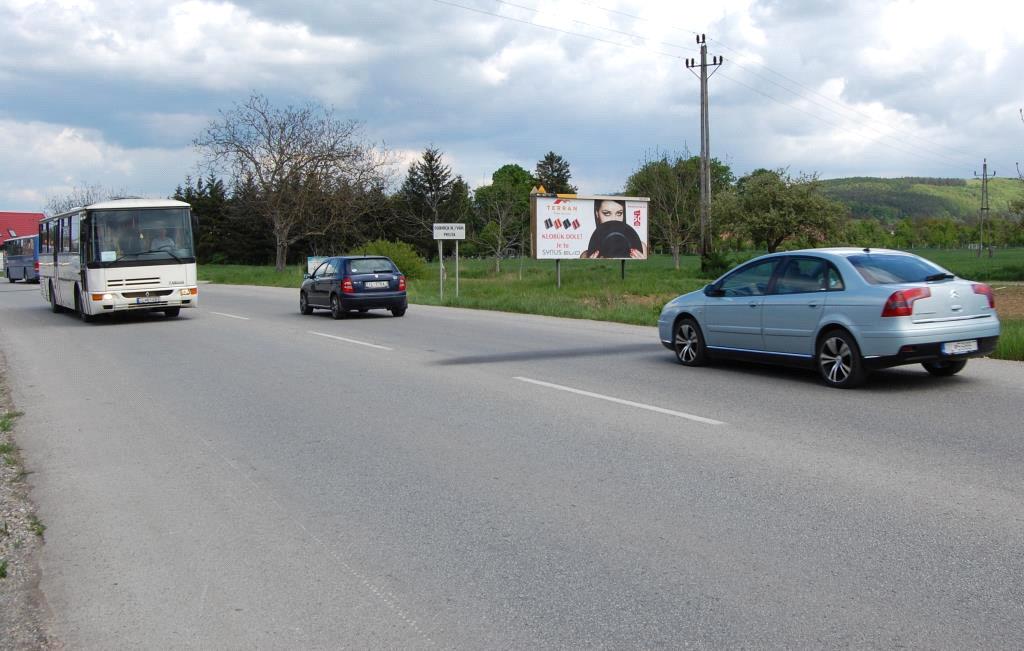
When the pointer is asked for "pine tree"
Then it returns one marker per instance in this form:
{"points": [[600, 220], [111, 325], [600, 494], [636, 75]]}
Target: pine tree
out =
{"points": [[553, 173]]}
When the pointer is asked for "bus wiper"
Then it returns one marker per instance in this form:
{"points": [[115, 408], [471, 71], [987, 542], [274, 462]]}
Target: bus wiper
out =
{"points": [[939, 276], [163, 250]]}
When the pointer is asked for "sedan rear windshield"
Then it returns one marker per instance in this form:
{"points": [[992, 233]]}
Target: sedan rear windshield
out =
{"points": [[371, 266], [883, 269]]}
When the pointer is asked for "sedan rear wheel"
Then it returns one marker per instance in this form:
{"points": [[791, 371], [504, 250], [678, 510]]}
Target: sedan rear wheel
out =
{"points": [[945, 368], [839, 361], [689, 344], [336, 311]]}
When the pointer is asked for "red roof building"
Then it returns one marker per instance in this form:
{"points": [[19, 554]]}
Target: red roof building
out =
{"points": [[18, 224]]}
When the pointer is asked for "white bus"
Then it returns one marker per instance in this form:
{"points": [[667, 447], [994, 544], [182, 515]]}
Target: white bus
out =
{"points": [[113, 256]]}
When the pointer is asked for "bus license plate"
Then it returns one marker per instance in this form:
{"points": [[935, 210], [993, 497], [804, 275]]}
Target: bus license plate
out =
{"points": [[147, 299], [960, 347], [375, 284]]}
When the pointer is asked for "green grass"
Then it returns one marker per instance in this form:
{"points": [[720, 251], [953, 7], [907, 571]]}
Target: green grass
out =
{"points": [[35, 526], [3, 569], [1011, 340], [594, 289], [1005, 264]]}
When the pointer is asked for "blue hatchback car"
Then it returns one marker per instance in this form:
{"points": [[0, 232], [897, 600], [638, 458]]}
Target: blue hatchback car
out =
{"points": [[344, 284], [843, 312]]}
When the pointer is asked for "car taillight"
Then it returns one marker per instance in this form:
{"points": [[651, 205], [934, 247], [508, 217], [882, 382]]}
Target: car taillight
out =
{"points": [[980, 288], [901, 303], [401, 283], [36, 265], [346, 285]]}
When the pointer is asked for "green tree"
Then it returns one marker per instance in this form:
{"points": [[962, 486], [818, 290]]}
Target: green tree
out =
{"points": [[503, 212], [553, 173], [431, 194], [673, 186], [773, 207]]}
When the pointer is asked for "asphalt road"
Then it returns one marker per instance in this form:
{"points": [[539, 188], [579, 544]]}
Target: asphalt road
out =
{"points": [[246, 476]]}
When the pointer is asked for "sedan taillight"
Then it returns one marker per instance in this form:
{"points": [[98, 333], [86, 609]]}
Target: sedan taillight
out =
{"points": [[901, 303], [401, 283], [346, 285], [980, 288]]}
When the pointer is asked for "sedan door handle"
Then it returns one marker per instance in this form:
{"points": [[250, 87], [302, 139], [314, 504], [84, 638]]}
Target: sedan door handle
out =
{"points": [[812, 305], [753, 305]]}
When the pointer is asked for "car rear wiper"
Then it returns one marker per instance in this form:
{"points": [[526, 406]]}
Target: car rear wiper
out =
{"points": [[939, 276]]}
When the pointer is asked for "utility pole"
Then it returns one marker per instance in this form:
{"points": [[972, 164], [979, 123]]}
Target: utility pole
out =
{"points": [[983, 213], [705, 144]]}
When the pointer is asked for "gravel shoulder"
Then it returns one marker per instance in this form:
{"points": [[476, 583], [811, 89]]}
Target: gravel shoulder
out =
{"points": [[23, 610]]}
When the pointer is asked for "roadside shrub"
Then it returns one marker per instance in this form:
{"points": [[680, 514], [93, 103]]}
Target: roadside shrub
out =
{"points": [[403, 254]]}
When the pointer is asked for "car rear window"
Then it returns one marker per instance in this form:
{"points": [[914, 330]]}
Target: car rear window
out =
{"points": [[886, 269], [371, 266]]}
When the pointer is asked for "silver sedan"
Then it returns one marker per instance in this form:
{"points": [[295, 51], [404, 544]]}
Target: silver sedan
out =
{"points": [[842, 311]]}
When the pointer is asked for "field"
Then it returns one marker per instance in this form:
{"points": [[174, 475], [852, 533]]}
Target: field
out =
{"points": [[596, 289]]}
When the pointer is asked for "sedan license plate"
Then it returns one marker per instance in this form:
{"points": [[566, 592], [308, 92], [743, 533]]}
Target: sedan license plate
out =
{"points": [[375, 284], [147, 299], [960, 347]]}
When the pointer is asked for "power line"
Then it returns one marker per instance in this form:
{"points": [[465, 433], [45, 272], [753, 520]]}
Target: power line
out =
{"points": [[797, 83], [880, 140]]}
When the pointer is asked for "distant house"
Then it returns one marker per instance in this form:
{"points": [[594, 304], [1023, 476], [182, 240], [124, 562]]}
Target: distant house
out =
{"points": [[18, 224]]}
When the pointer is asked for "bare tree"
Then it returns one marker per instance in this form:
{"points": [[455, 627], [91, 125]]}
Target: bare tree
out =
{"points": [[302, 161], [80, 196]]}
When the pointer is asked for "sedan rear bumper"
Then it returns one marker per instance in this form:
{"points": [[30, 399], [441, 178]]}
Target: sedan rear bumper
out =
{"points": [[375, 301], [930, 352]]}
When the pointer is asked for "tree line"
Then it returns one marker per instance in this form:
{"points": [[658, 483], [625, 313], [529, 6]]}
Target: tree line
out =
{"points": [[284, 183]]}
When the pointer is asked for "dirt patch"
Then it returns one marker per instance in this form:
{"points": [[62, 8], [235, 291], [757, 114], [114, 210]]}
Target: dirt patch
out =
{"points": [[1009, 300], [22, 607]]}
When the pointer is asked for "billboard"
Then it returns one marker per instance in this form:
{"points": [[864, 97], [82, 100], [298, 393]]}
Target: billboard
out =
{"points": [[590, 227]]}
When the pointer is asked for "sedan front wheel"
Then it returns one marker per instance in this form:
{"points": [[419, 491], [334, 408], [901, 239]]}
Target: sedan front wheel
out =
{"points": [[689, 344]]}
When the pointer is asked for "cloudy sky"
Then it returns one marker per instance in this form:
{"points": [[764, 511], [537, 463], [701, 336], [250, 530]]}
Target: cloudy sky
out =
{"points": [[113, 92]]}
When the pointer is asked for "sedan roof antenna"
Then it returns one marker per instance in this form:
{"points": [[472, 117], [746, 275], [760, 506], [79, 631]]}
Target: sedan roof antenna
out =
{"points": [[867, 249]]}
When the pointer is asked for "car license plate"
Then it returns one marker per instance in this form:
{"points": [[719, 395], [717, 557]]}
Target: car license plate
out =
{"points": [[960, 347], [147, 299], [375, 284]]}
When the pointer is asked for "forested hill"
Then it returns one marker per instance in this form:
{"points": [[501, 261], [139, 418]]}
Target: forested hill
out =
{"points": [[915, 197]]}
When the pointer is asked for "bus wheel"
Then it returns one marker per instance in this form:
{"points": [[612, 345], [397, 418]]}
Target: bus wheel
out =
{"points": [[53, 301], [80, 307]]}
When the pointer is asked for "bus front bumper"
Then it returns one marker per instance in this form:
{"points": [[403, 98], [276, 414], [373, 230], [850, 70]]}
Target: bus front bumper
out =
{"points": [[150, 299]]}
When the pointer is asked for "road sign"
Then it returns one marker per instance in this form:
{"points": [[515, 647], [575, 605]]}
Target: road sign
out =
{"points": [[449, 231]]}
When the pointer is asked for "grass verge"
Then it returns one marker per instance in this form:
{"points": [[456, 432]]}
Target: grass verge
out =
{"points": [[597, 289]]}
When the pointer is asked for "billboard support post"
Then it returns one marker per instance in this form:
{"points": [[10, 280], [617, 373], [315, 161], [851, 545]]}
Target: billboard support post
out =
{"points": [[558, 273], [623, 269], [456, 268], [440, 272]]}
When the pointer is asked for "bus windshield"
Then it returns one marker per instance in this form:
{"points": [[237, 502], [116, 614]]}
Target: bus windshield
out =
{"points": [[147, 234]]}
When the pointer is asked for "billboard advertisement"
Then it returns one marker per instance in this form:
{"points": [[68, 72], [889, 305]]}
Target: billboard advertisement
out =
{"points": [[590, 227]]}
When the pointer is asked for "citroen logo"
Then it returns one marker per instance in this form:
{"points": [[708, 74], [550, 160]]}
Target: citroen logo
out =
{"points": [[954, 294]]}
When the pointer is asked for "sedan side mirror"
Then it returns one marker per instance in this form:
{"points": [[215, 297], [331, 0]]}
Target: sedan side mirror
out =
{"points": [[305, 276], [711, 290]]}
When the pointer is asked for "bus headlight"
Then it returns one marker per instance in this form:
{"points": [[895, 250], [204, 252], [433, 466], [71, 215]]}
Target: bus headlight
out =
{"points": [[189, 292]]}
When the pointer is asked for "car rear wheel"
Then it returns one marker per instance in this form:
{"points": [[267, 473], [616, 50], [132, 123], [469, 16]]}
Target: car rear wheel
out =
{"points": [[336, 311], [7, 272], [839, 362], [304, 306], [945, 368], [400, 311], [689, 344]]}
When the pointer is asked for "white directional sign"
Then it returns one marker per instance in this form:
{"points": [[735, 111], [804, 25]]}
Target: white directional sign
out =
{"points": [[449, 231]]}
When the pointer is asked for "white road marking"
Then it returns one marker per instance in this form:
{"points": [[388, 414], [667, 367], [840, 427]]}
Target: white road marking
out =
{"points": [[231, 316], [620, 401], [351, 341]]}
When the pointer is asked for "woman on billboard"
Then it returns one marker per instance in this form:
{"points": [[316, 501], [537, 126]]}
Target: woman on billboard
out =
{"points": [[613, 237]]}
